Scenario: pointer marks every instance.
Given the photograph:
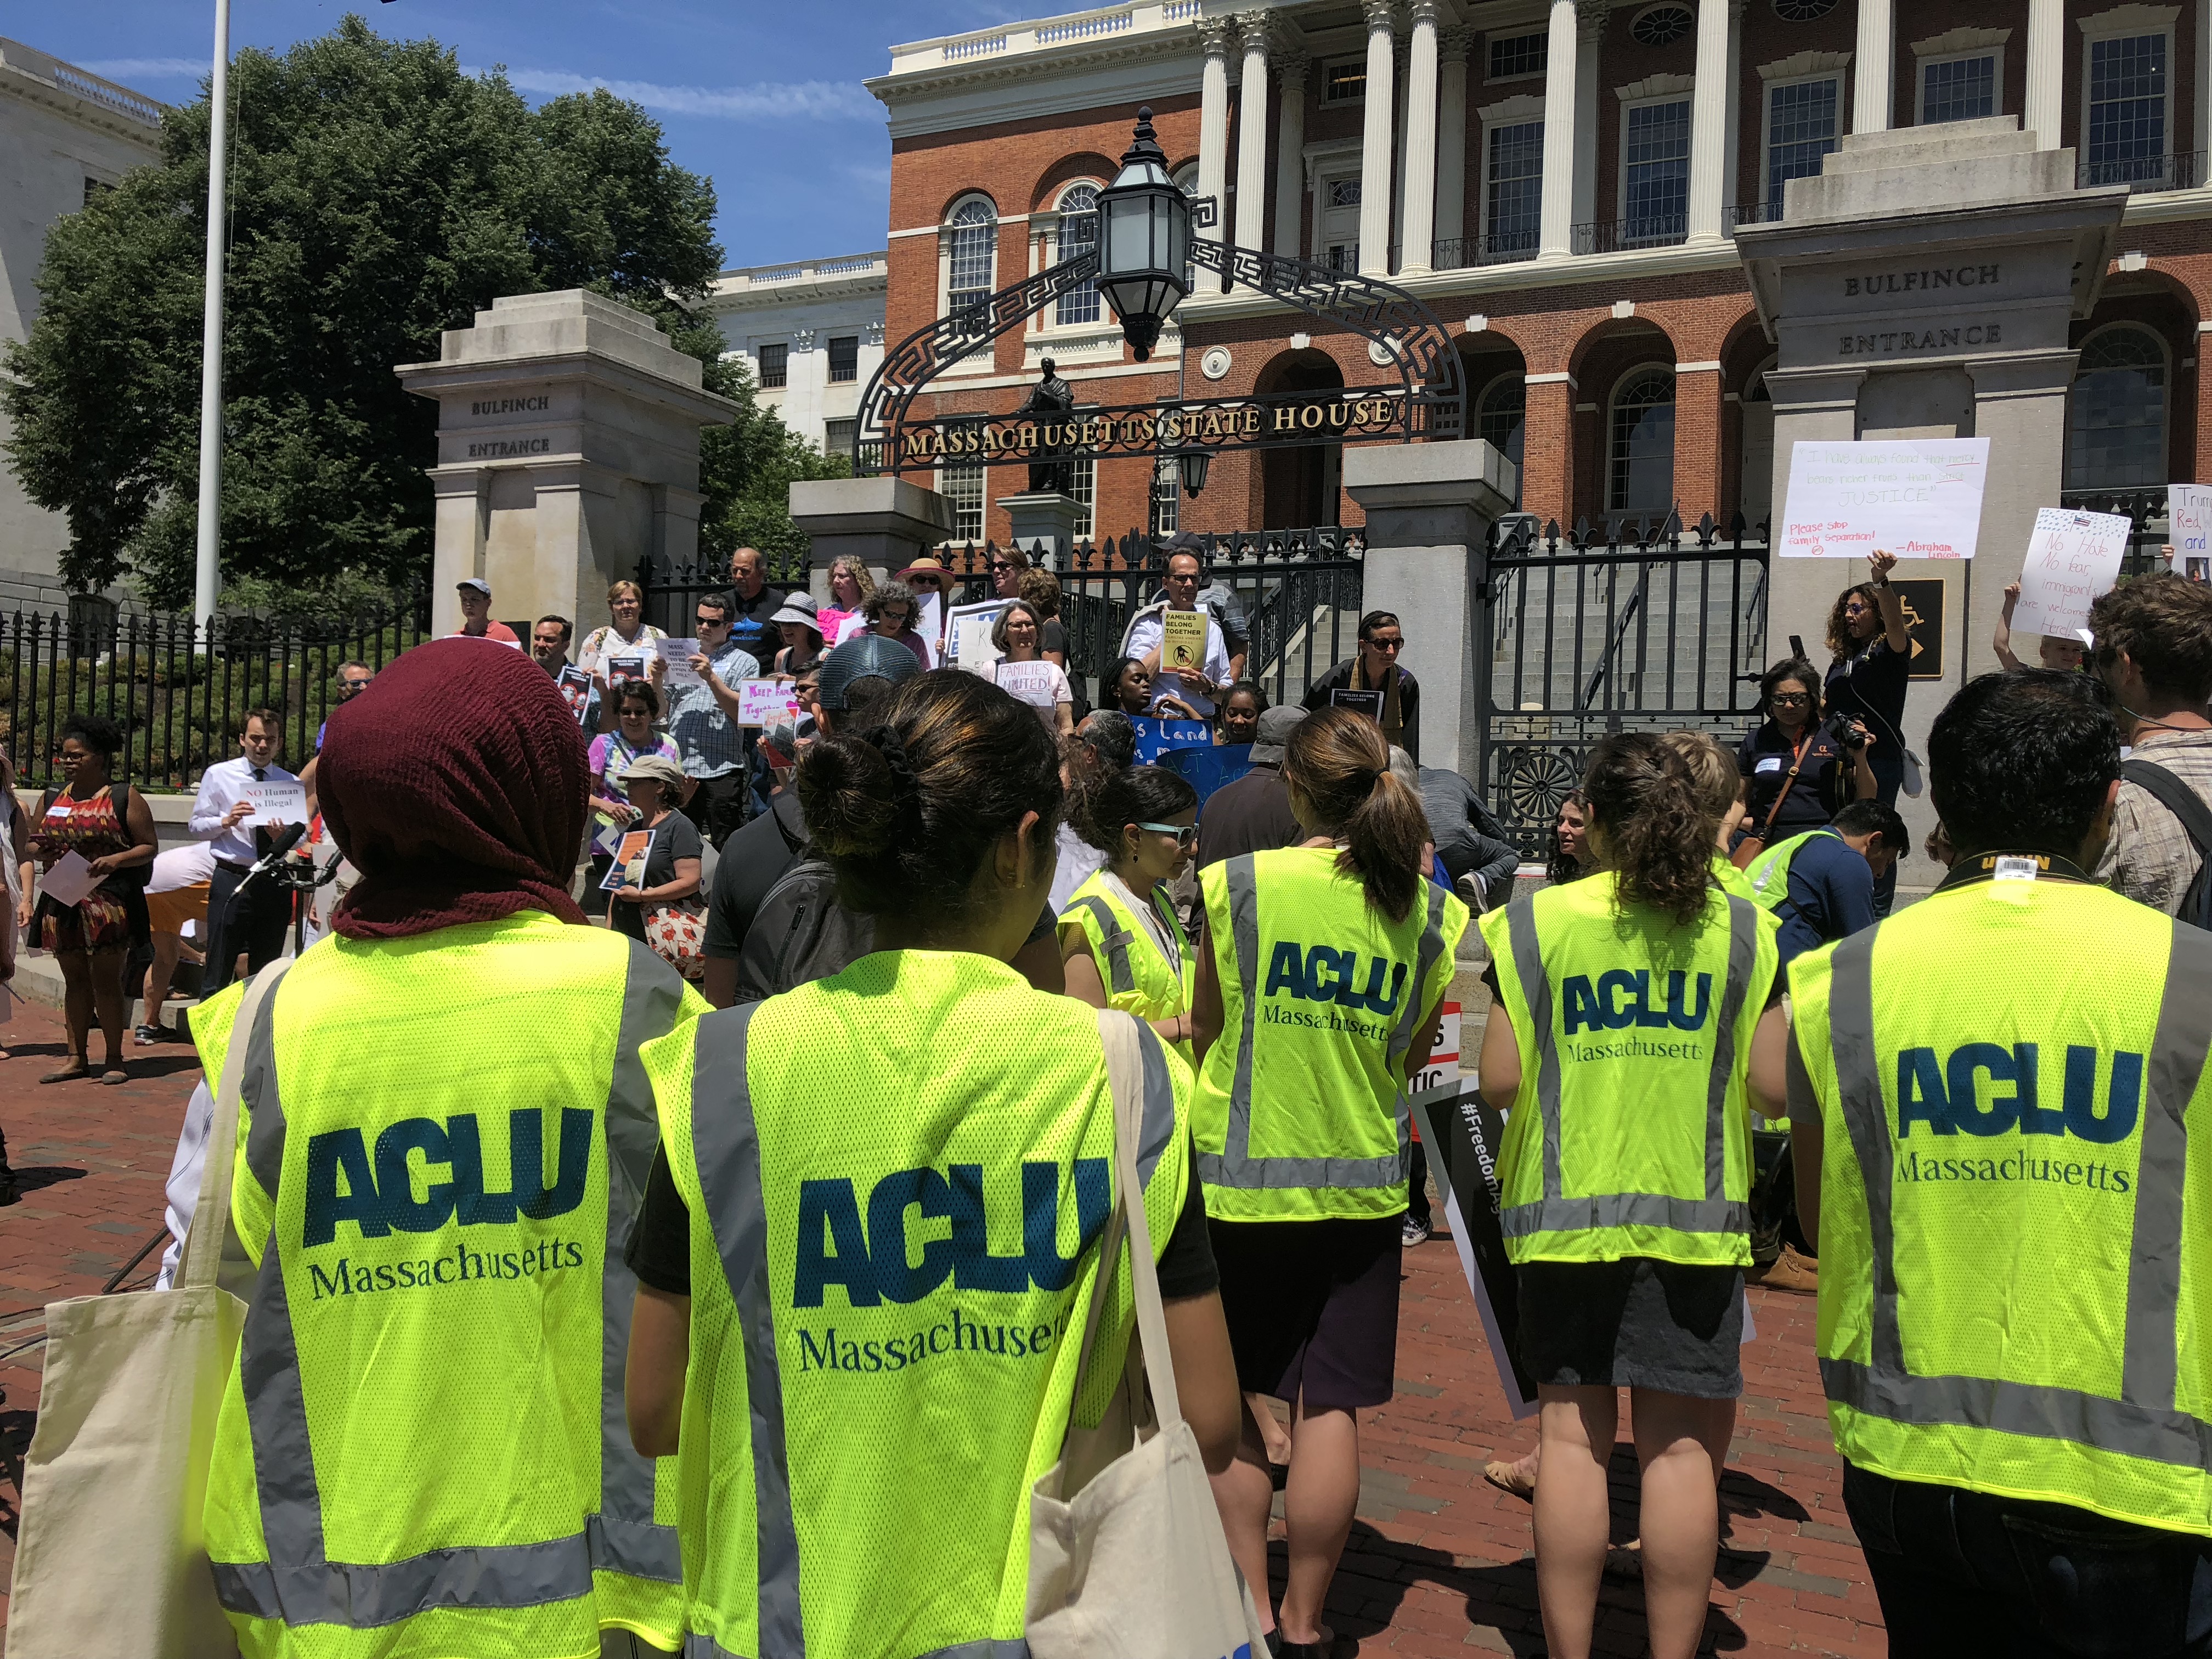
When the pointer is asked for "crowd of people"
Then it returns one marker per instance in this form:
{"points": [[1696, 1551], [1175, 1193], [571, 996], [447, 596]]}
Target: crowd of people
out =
{"points": [[769, 1331]]}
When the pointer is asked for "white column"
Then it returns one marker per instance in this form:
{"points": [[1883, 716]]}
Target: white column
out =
{"points": [[1398, 164], [1556, 221], [1874, 66], [1252, 134], [2202, 139], [1290, 155], [1451, 139], [1421, 142], [2046, 72], [1375, 144], [1213, 134], [1709, 121]]}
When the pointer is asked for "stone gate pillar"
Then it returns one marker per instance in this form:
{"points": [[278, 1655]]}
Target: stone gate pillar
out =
{"points": [[568, 454], [884, 522], [1430, 508]]}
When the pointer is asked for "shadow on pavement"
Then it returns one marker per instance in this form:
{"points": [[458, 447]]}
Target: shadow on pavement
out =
{"points": [[14, 1186]]}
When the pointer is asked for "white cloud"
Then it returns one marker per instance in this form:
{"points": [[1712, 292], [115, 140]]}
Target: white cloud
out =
{"points": [[815, 100], [148, 69]]}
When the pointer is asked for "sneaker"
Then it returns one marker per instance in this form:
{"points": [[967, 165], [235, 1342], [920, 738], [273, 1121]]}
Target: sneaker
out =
{"points": [[147, 1035], [1412, 1231]]}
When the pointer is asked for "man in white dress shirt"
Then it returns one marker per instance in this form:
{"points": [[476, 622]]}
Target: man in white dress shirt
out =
{"points": [[253, 921], [1200, 687]]}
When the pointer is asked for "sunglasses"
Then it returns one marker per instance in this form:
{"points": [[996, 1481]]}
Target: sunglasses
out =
{"points": [[1386, 645], [899, 616], [1001, 564], [1186, 834], [712, 622], [1790, 697]]}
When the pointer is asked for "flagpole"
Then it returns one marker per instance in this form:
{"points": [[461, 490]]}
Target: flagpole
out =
{"points": [[207, 574]]}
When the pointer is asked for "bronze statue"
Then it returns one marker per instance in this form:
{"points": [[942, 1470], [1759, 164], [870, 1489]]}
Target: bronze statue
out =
{"points": [[1052, 400]]}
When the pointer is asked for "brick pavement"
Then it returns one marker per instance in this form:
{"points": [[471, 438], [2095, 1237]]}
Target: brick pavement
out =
{"points": [[1438, 1563]]}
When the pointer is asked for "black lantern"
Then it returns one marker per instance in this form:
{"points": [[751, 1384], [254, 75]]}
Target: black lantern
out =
{"points": [[1144, 239], [1192, 464]]}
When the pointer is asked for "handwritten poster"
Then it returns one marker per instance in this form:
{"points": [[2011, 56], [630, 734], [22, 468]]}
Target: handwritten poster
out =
{"points": [[1918, 498], [765, 703], [2189, 516], [1157, 734], [1183, 641], [968, 636], [2072, 558], [676, 656]]}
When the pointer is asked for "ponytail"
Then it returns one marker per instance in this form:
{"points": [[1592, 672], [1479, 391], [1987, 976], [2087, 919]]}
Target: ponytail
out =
{"points": [[1657, 824], [1338, 762]]}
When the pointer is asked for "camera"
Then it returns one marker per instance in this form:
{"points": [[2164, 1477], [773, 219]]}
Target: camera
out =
{"points": [[1850, 732]]}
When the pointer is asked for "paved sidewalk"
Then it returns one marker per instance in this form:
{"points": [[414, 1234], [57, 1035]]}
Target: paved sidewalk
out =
{"points": [[1439, 1562]]}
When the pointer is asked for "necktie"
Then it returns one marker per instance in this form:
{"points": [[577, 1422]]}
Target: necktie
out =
{"points": [[260, 834]]}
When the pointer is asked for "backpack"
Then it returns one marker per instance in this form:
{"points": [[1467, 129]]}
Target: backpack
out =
{"points": [[799, 932], [2185, 804]]}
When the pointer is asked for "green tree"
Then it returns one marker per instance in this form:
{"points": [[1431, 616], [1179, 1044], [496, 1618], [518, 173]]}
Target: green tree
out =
{"points": [[378, 197]]}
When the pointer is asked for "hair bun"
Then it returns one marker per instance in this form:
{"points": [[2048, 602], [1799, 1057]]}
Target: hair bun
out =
{"points": [[850, 796]]}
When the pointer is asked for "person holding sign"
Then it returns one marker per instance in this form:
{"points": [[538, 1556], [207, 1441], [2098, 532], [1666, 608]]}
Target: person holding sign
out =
{"points": [[610, 756], [658, 903], [1374, 684], [1121, 944], [1321, 975], [1190, 663], [704, 720], [891, 611], [2054, 651], [107, 825], [627, 634], [1619, 1042], [1023, 672], [1871, 660]]}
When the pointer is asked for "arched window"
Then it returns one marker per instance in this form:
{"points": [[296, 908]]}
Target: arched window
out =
{"points": [[2116, 413], [1078, 231], [1640, 472], [1501, 420], [972, 265]]}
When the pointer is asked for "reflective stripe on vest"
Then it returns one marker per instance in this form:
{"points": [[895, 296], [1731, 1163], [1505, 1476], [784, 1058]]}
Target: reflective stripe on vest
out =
{"points": [[1769, 873], [299, 1584], [726, 1147], [1115, 938], [1234, 1166], [1714, 1213], [706, 1647], [2144, 1421]]}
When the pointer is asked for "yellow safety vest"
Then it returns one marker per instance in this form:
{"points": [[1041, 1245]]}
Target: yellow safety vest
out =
{"points": [[1301, 1109], [893, 1229], [1769, 873], [443, 1142], [1631, 1134], [1731, 879], [1139, 980], [2011, 1085]]}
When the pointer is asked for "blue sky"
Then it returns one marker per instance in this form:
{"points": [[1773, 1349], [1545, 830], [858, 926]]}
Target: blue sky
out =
{"points": [[763, 96]]}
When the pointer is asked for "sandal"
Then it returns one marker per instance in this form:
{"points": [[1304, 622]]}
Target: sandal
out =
{"points": [[69, 1074], [114, 1074], [1320, 1649], [1508, 1478]]}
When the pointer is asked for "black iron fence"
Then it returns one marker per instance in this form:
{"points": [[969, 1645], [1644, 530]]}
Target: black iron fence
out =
{"points": [[179, 702], [1635, 625]]}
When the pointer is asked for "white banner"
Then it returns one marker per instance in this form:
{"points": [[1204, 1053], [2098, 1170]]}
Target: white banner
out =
{"points": [[2072, 558], [1918, 498]]}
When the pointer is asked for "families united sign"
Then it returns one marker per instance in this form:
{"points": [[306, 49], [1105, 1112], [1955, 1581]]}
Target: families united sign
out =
{"points": [[1917, 498]]}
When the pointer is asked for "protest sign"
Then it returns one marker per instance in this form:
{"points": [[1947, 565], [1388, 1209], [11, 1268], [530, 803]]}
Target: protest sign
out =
{"points": [[575, 686], [2188, 521], [765, 703], [968, 636], [628, 868], [70, 879], [1183, 641], [276, 803], [2072, 558], [1157, 734], [676, 656], [1037, 684], [1917, 498], [621, 671], [929, 622], [1369, 703], [1464, 1138], [1207, 769], [1444, 1052]]}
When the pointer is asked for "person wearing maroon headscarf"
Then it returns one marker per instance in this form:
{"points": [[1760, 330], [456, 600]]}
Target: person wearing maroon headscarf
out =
{"points": [[461, 1013]]}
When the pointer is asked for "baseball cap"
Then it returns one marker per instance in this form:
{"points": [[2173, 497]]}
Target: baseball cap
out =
{"points": [[477, 583], [1275, 728], [863, 657]]}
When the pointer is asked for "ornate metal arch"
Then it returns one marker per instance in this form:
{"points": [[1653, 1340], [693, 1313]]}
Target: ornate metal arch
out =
{"points": [[1430, 392]]}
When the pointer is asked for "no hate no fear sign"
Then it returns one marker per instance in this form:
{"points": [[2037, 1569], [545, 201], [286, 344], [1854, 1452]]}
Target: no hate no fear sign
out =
{"points": [[1919, 499]]}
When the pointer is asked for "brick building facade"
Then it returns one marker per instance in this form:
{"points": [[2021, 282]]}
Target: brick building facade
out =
{"points": [[1545, 174]]}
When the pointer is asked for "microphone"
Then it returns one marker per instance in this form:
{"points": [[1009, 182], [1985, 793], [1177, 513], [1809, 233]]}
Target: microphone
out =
{"points": [[284, 841]]}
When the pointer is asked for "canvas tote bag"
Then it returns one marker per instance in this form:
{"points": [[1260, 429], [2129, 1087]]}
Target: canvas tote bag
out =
{"points": [[112, 1562], [1131, 1563]]}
